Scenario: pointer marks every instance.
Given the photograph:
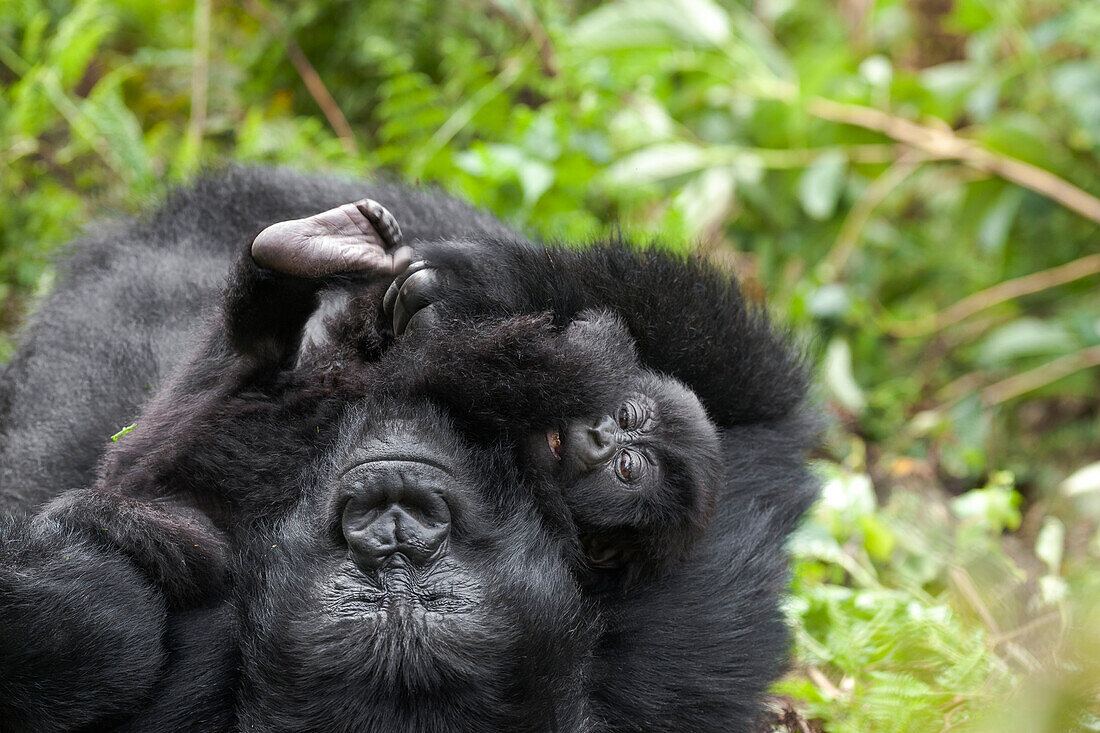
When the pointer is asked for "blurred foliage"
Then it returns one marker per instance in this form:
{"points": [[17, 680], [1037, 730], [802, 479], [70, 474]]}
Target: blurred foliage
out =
{"points": [[948, 579]]}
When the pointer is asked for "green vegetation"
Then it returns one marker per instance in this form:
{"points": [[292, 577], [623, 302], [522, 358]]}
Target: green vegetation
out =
{"points": [[907, 180]]}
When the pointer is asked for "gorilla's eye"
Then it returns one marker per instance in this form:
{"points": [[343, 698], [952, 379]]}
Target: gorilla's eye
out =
{"points": [[624, 417], [630, 416], [631, 466]]}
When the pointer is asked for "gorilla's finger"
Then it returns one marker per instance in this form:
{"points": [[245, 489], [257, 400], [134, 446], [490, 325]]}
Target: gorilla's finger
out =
{"points": [[382, 221], [423, 321], [344, 239], [415, 294], [403, 274]]}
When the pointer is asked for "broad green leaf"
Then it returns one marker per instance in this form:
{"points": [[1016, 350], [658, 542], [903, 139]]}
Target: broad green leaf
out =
{"points": [[120, 129], [758, 40], [1077, 85], [996, 507], [1082, 487], [1083, 481], [657, 163], [821, 184], [706, 199], [644, 23], [78, 36], [1025, 337], [995, 225], [1050, 544], [644, 122]]}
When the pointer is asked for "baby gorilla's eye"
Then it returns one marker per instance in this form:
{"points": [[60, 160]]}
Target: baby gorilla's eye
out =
{"points": [[630, 415], [630, 466]]}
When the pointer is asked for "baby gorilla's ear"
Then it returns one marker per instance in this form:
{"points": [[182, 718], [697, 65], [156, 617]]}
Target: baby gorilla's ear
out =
{"points": [[604, 333]]}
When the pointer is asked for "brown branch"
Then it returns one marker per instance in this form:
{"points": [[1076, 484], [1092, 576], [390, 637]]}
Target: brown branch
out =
{"points": [[964, 584], [314, 85], [529, 25], [943, 143], [1052, 371], [860, 213], [999, 293]]}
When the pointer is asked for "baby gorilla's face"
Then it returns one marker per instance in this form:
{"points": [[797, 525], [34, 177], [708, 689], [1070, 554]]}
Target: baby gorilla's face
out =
{"points": [[639, 473], [417, 586]]}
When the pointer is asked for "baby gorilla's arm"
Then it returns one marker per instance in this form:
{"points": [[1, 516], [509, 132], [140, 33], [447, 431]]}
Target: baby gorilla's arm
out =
{"points": [[516, 374], [688, 319]]}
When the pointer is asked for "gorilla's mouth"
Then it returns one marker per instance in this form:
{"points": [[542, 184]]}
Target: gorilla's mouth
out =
{"points": [[400, 590], [553, 439]]}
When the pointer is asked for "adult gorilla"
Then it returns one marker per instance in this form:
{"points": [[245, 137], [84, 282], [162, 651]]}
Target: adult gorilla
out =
{"points": [[250, 450]]}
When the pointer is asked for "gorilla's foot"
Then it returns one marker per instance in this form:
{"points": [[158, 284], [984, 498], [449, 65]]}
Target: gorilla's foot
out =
{"points": [[359, 237]]}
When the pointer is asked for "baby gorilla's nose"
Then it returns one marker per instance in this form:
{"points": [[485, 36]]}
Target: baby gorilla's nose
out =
{"points": [[600, 441], [398, 509]]}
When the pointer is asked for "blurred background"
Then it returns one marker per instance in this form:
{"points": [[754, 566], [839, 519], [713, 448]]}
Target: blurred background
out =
{"points": [[913, 183]]}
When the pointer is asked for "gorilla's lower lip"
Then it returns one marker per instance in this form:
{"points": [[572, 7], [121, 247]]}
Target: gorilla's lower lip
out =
{"points": [[553, 439]]}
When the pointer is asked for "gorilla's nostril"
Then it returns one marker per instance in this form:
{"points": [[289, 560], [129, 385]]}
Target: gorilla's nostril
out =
{"points": [[397, 508], [601, 441]]}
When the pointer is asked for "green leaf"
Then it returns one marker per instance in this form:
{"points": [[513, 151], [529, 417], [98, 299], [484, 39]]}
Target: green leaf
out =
{"points": [[78, 37], [995, 225], [1082, 487], [116, 124], [995, 507], [821, 184], [646, 23], [118, 436], [657, 163], [706, 200], [836, 373], [1025, 337], [1050, 543]]}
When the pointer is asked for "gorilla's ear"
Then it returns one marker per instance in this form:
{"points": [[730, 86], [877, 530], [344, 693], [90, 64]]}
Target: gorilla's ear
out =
{"points": [[603, 330], [178, 547]]}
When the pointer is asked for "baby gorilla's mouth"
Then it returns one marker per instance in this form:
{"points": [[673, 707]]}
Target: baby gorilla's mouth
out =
{"points": [[553, 439]]}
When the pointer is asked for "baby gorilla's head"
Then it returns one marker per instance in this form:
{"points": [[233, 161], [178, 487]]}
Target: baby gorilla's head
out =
{"points": [[640, 470]]}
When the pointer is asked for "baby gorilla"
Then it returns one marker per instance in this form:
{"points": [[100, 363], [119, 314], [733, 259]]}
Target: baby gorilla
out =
{"points": [[631, 452], [639, 471]]}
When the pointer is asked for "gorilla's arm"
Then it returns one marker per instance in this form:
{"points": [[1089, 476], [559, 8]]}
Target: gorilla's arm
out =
{"points": [[129, 298], [206, 434], [112, 599], [507, 376], [99, 595], [688, 319]]}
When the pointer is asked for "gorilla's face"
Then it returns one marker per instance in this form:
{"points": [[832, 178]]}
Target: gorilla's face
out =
{"points": [[418, 585], [639, 475]]}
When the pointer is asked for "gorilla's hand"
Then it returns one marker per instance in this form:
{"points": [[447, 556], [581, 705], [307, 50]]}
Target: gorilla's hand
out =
{"points": [[177, 547], [81, 628], [361, 237]]}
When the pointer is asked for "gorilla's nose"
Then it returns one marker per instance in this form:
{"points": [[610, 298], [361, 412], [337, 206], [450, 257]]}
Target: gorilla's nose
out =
{"points": [[398, 508], [601, 441]]}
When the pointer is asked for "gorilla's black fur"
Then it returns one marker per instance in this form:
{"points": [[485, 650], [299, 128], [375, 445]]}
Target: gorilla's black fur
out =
{"points": [[117, 604]]}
